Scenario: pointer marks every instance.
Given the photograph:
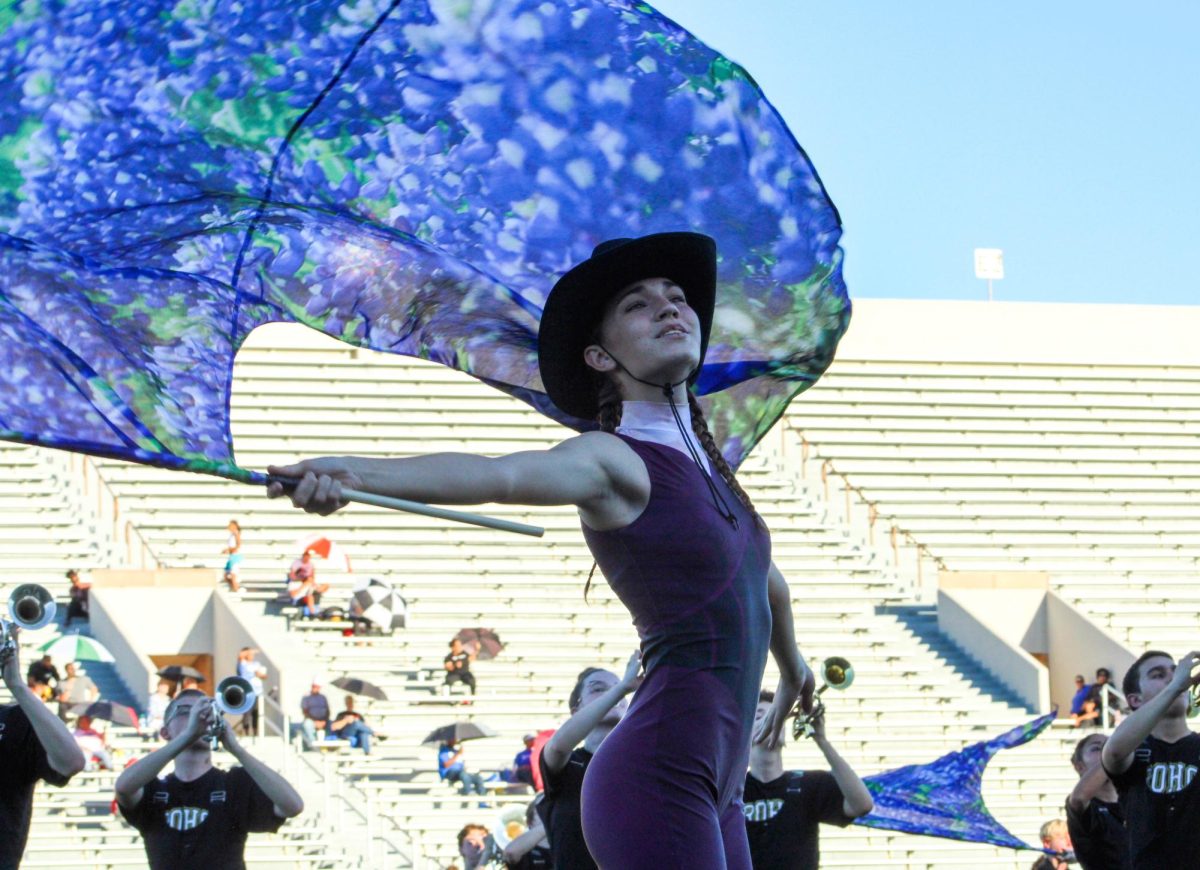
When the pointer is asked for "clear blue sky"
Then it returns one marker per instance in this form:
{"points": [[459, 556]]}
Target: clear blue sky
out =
{"points": [[1066, 133]]}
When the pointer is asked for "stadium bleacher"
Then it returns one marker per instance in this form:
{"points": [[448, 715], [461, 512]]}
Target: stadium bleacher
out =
{"points": [[986, 464]]}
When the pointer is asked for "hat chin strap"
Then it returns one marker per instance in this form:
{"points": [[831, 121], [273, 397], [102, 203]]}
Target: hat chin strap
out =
{"points": [[668, 390]]}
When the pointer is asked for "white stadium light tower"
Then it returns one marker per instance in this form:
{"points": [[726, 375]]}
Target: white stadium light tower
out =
{"points": [[989, 265]]}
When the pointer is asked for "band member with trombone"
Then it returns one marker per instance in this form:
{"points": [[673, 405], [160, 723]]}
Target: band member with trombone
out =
{"points": [[199, 816], [34, 742], [784, 807], [1153, 758]]}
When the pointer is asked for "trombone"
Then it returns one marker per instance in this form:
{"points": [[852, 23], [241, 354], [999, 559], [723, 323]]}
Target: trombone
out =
{"points": [[836, 673], [30, 607], [235, 696]]}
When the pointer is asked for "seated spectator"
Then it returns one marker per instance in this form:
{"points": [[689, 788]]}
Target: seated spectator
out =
{"points": [[41, 690], [530, 850], [302, 585], [1093, 705], [1054, 836], [156, 707], [1081, 692], [452, 768], [522, 769], [43, 671], [91, 741], [315, 708], [350, 725], [78, 606], [458, 665], [75, 689]]}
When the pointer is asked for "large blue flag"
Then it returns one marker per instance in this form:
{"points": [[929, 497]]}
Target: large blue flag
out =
{"points": [[945, 797], [406, 175]]}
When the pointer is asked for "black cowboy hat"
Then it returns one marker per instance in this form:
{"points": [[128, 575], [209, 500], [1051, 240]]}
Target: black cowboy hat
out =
{"points": [[576, 303]]}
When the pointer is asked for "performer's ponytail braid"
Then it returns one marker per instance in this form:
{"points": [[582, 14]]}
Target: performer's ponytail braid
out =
{"points": [[700, 427]]}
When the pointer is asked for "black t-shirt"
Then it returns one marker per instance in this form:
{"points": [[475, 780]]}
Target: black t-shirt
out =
{"points": [[1161, 800], [1098, 835], [782, 817], [201, 824], [22, 763], [43, 673], [560, 813], [461, 662], [537, 858]]}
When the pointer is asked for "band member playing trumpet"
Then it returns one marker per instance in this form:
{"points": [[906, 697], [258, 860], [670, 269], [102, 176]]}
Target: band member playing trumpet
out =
{"points": [[34, 745], [199, 816], [783, 808]]}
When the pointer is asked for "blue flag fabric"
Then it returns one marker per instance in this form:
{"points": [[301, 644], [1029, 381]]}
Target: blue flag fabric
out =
{"points": [[406, 175], [945, 797]]}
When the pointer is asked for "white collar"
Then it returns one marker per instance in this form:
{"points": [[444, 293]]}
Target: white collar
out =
{"points": [[654, 422]]}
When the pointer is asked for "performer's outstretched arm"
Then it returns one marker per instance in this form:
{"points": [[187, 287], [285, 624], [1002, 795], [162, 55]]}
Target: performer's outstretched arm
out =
{"points": [[796, 681], [1089, 785], [286, 799], [134, 779], [856, 799], [593, 471]]}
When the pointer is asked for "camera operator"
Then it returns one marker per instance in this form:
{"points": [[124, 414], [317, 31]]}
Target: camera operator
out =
{"points": [[34, 744], [199, 816]]}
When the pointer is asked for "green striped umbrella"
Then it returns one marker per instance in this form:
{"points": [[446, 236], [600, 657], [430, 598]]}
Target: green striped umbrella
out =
{"points": [[76, 648]]}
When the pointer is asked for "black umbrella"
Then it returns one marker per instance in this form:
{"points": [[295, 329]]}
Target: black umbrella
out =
{"points": [[118, 714], [178, 672], [484, 642], [356, 686], [458, 732]]}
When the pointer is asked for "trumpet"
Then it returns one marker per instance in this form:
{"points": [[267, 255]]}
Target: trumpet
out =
{"points": [[234, 697], [30, 607], [836, 673]]}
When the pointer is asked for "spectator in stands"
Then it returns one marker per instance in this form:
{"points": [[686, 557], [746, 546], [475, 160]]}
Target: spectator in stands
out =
{"points": [[253, 672], [233, 556], [458, 665], [597, 703], [784, 809], [302, 584], [1082, 690], [1095, 820], [198, 817], [93, 744], [76, 688], [1151, 758], [78, 606], [530, 850], [452, 767], [350, 725], [35, 745], [156, 707], [315, 707], [43, 671], [522, 769], [1055, 837]]}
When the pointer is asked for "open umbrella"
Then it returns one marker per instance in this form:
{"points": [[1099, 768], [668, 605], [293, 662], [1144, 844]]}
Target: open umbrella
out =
{"points": [[484, 642], [76, 648], [324, 548], [458, 732], [356, 686], [118, 714], [378, 603], [178, 672]]}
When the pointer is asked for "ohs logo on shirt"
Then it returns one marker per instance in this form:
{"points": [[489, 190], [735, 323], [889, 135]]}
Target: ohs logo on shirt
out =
{"points": [[1169, 777], [185, 818], [763, 811]]}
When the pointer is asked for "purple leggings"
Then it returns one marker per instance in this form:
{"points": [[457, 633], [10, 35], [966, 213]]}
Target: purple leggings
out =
{"points": [[664, 790]]}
